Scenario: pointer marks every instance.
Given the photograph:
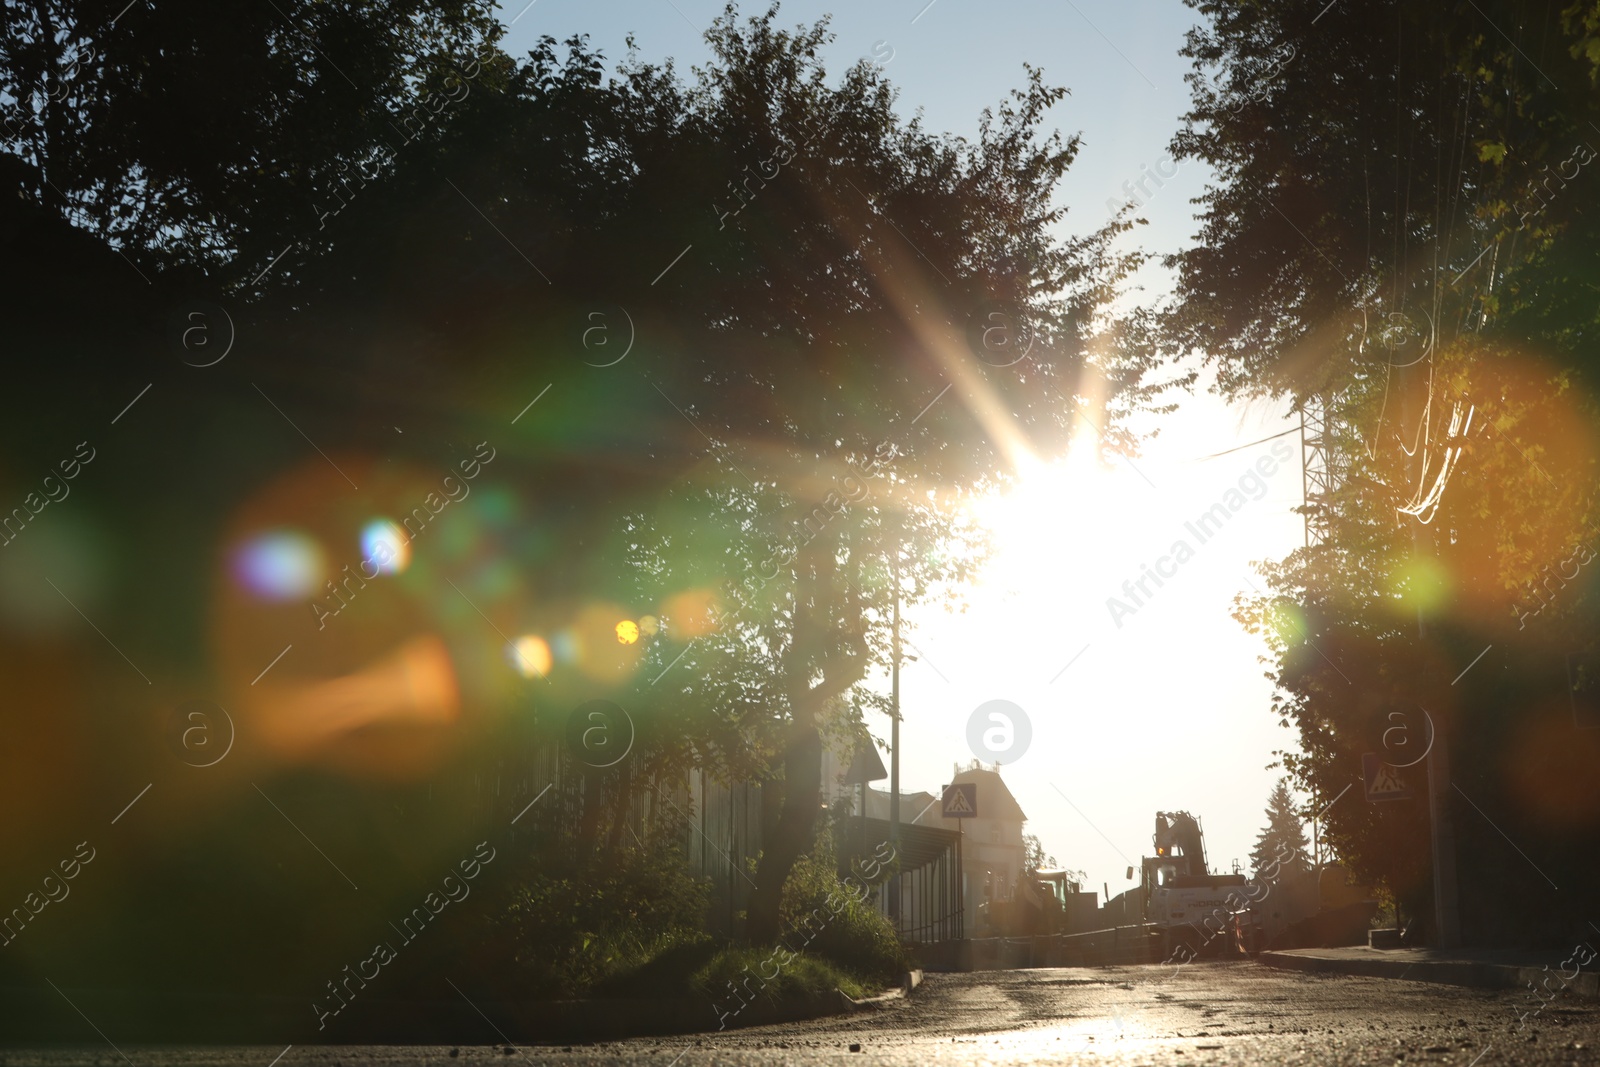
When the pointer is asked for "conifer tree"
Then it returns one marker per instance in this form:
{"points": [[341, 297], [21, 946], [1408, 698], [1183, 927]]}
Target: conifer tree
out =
{"points": [[1282, 841]]}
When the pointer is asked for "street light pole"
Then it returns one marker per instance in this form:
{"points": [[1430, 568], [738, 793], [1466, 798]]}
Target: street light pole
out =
{"points": [[1316, 841], [894, 735]]}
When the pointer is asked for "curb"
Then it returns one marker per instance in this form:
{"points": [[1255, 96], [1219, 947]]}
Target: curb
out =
{"points": [[1470, 973], [908, 985]]}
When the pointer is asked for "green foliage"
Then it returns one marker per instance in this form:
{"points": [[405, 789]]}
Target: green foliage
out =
{"points": [[1282, 841], [836, 918], [708, 968], [1582, 20], [740, 970], [569, 923], [187, 139], [1426, 256], [665, 974], [1034, 858]]}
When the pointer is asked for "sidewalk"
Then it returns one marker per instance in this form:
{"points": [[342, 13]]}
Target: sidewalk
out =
{"points": [[1478, 968]]}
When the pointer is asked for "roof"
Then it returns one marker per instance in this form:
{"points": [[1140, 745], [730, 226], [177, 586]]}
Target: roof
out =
{"points": [[994, 802], [865, 766], [911, 805], [919, 845], [994, 799]]}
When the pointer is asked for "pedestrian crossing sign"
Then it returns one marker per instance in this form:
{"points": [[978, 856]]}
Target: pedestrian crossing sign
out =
{"points": [[1382, 781], [961, 800]]}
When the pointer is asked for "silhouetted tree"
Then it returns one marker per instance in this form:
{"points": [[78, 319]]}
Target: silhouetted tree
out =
{"points": [[841, 324], [1401, 215], [1282, 841]]}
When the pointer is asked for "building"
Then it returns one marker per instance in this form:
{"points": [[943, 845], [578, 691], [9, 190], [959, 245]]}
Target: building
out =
{"points": [[992, 850], [991, 845]]}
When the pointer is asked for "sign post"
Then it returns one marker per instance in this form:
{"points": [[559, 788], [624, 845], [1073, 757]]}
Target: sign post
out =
{"points": [[1381, 780], [960, 801]]}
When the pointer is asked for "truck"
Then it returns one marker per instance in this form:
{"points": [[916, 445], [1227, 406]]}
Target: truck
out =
{"points": [[1199, 913]]}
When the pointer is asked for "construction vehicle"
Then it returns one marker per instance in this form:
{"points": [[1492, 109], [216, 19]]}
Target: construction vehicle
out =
{"points": [[1199, 913]]}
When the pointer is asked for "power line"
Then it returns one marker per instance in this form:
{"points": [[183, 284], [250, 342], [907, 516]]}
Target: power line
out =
{"points": [[1252, 444]]}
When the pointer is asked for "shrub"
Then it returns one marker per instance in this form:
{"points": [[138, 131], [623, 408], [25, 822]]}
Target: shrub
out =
{"points": [[569, 922], [665, 975], [832, 918], [737, 975]]}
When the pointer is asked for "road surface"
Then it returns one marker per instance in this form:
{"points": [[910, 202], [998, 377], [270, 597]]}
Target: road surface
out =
{"points": [[1199, 1014]]}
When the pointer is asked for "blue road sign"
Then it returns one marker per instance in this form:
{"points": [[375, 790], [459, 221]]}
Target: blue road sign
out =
{"points": [[1381, 780], [961, 800]]}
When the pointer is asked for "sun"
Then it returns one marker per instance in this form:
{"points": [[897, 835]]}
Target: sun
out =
{"points": [[1050, 524]]}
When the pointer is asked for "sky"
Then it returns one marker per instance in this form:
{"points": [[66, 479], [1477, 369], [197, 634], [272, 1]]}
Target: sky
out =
{"points": [[1162, 708]]}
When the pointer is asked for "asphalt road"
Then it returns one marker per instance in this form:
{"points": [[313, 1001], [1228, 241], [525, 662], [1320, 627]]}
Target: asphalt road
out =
{"points": [[1200, 1014]]}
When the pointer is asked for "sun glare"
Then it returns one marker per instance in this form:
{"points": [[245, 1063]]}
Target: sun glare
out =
{"points": [[1046, 526], [530, 656]]}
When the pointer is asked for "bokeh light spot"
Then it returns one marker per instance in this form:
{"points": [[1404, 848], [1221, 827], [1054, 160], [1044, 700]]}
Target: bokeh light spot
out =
{"points": [[692, 613], [1423, 582], [566, 646], [649, 625], [76, 562], [394, 555], [530, 656], [604, 652], [1289, 621], [279, 565]]}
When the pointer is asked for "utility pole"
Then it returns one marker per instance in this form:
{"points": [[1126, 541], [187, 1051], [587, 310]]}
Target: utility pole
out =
{"points": [[894, 734], [1446, 913], [1321, 474], [1316, 841]]}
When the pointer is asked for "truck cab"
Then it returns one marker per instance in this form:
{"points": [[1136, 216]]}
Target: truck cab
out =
{"points": [[1198, 912]]}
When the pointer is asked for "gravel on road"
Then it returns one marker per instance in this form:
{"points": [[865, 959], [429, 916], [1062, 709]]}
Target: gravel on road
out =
{"points": [[1199, 1014]]}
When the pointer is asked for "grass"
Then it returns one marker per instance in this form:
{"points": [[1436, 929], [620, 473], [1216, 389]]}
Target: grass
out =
{"points": [[664, 974], [706, 968], [796, 977]]}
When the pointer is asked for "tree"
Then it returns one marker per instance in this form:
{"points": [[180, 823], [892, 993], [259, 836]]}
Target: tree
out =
{"points": [[842, 324], [1282, 841], [1034, 859], [1399, 221], [180, 138], [850, 497]]}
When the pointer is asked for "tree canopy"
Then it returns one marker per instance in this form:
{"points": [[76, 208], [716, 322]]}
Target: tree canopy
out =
{"points": [[1281, 843], [743, 344], [1398, 240]]}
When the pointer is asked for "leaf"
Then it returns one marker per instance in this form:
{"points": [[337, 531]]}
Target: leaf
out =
{"points": [[1491, 152]]}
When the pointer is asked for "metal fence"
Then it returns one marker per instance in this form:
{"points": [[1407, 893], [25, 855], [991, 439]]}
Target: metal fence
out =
{"points": [[930, 906], [540, 790]]}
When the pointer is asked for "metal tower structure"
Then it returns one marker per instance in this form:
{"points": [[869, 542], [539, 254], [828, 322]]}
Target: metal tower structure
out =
{"points": [[1321, 469]]}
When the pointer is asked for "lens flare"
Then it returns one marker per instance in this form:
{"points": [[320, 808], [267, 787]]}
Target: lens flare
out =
{"points": [[279, 565], [692, 613], [1289, 621], [649, 625], [385, 546], [1422, 582], [608, 651], [567, 647], [530, 656]]}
